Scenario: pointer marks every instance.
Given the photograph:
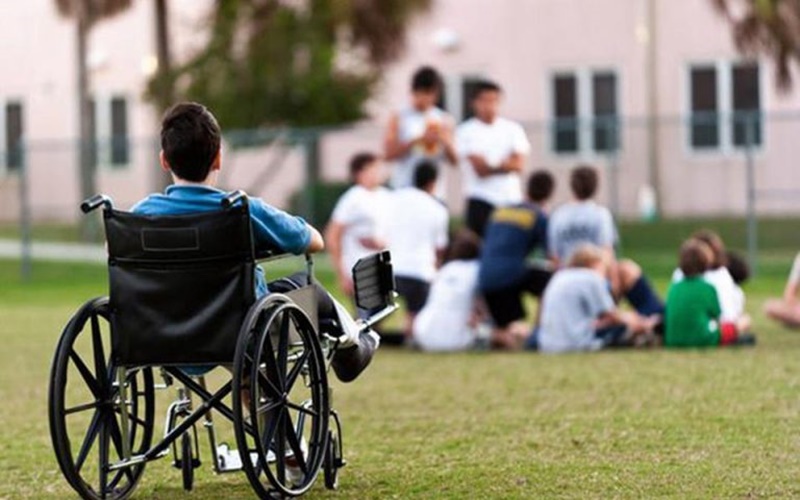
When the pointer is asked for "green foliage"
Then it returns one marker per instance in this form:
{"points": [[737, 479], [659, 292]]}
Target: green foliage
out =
{"points": [[293, 63], [767, 27], [323, 197]]}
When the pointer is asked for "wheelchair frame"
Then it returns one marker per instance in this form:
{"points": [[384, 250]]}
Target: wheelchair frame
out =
{"points": [[278, 456]]}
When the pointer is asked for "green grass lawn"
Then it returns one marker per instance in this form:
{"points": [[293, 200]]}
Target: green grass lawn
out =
{"points": [[688, 424]]}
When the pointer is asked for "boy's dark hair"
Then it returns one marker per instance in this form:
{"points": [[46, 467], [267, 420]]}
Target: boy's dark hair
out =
{"points": [[541, 184], [738, 267], [426, 79], [583, 182], [465, 245], [485, 86], [714, 241], [693, 259], [359, 162], [190, 140], [424, 174]]}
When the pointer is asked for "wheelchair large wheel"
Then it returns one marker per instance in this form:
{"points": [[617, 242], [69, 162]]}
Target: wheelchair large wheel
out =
{"points": [[280, 398], [84, 406]]}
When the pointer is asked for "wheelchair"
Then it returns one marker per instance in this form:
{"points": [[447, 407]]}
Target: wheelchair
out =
{"points": [[182, 301]]}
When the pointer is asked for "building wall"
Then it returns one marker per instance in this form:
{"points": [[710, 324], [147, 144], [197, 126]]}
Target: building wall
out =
{"points": [[519, 43]]}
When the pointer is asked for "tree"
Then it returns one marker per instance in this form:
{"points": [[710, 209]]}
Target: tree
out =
{"points": [[86, 13], [770, 27], [298, 63]]}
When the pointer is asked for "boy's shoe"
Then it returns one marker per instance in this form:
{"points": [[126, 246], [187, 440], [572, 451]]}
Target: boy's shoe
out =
{"points": [[349, 362], [745, 339]]}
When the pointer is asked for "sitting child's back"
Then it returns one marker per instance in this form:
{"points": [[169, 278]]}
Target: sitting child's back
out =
{"points": [[692, 311]]}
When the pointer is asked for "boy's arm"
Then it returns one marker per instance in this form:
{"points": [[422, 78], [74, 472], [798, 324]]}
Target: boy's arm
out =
{"points": [[393, 147]]}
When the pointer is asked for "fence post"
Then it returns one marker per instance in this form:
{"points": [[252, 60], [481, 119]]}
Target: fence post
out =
{"points": [[311, 142], [24, 214], [752, 219], [609, 128]]}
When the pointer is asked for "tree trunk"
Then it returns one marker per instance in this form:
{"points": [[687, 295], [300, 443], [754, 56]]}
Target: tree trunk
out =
{"points": [[86, 143], [165, 92]]}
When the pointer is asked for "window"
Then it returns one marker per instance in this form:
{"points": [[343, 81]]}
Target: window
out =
{"points": [[14, 132], [724, 103], [119, 132], [109, 131], [585, 108], [746, 105], [565, 114], [605, 126], [705, 116]]}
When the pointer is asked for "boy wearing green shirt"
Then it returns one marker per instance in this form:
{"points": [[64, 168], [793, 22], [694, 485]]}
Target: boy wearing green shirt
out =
{"points": [[693, 310]]}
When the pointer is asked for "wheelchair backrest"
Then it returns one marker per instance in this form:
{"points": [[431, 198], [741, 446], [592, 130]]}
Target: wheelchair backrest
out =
{"points": [[180, 285]]}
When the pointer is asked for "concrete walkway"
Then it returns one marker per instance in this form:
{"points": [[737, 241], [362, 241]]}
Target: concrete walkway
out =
{"points": [[58, 252]]}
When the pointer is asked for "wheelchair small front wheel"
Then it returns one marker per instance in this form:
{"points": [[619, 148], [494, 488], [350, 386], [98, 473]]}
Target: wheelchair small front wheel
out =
{"points": [[85, 407], [187, 465], [280, 398]]}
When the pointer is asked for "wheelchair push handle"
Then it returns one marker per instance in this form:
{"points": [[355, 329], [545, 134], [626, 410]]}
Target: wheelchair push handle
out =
{"points": [[95, 202], [234, 197]]}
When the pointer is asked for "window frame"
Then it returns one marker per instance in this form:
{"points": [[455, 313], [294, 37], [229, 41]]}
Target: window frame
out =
{"points": [[584, 77], [725, 112]]}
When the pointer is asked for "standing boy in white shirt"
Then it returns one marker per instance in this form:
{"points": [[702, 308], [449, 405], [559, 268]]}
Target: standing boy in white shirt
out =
{"points": [[357, 226], [417, 232], [493, 151]]}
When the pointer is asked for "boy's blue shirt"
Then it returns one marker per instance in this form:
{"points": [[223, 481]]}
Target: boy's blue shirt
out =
{"points": [[271, 227]]}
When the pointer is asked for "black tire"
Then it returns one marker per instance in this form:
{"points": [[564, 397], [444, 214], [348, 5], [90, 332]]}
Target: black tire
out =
{"points": [[187, 464], [331, 467], [86, 342], [277, 345]]}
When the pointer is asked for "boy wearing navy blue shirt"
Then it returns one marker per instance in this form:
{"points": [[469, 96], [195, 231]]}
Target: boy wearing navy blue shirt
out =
{"points": [[513, 233], [190, 151]]}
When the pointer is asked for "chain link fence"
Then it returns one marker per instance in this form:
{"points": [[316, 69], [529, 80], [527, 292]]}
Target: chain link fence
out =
{"points": [[707, 166]]}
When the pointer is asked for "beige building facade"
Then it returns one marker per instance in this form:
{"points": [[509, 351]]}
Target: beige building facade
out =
{"points": [[583, 76]]}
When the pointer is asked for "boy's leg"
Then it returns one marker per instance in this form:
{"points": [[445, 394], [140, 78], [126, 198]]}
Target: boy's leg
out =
{"points": [[784, 312], [478, 214], [637, 289], [357, 344]]}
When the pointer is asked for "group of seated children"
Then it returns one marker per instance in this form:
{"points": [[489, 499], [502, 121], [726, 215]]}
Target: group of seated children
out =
{"points": [[579, 282]]}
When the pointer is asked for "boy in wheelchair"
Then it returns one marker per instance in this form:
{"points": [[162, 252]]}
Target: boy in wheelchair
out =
{"points": [[191, 153]]}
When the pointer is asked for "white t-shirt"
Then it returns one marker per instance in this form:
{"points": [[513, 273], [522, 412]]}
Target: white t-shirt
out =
{"points": [[416, 228], [443, 324], [412, 124], [494, 141], [730, 295], [362, 212]]}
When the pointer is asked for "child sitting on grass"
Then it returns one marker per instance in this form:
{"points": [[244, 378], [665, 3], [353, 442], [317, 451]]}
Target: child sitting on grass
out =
{"points": [[578, 311], [693, 312]]}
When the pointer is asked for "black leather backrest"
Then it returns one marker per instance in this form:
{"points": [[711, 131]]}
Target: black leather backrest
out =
{"points": [[373, 280], [180, 286]]}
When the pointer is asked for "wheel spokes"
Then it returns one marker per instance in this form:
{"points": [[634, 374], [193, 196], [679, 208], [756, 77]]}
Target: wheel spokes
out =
{"points": [[294, 443], [302, 409], [100, 368], [296, 369], [283, 349], [88, 441], [83, 407], [85, 373]]}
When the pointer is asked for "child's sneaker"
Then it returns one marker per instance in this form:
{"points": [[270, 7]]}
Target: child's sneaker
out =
{"points": [[349, 362]]}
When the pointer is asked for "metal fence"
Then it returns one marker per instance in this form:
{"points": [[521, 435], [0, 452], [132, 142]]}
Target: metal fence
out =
{"points": [[713, 165]]}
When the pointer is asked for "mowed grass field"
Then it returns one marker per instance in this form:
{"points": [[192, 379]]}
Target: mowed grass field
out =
{"points": [[680, 424]]}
